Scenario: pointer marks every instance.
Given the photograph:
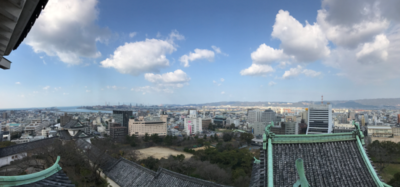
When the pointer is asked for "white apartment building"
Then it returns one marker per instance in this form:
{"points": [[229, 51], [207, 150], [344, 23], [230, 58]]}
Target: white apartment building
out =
{"points": [[193, 124]]}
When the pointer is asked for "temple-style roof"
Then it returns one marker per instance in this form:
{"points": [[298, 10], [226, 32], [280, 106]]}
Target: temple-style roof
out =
{"points": [[24, 147], [128, 173], [52, 176], [329, 160], [74, 124], [166, 177], [64, 135]]}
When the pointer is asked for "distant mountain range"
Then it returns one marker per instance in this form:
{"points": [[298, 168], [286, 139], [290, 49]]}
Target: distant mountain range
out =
{"points": [[391, 103]]}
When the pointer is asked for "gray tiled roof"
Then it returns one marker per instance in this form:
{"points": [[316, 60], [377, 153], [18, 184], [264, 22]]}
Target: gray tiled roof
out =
{"points": [[71, 124], [325, 164], [166, 177], [127, 173], [94, 153], [57, 179], [24, 147]]}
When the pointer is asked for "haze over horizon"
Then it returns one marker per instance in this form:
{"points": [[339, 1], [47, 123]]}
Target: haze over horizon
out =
{"points": [[88, 52]]}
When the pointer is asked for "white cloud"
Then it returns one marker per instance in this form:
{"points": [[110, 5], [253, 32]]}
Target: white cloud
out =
{"points": [[214, 81], [222, 93], [222, 79], [267, 55], [283, 64], [46, 87], [197, 55], [374, 52], [367, 38], [306, 44], [67, 29], [178, 78], [87, 91], [311, 73], [35, 92], [115, 87], [17, 83], [152, 89], [271, 83], [143, 56], [294, 72], [257, 70], [165, 83], [22, 95], [158, 35], [132, 34], [57, 89], [65, 93], [350, 36], [216, 49]]}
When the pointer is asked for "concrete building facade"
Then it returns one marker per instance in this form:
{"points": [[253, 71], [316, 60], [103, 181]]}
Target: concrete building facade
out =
{"points": [[122, 117], [193, 125], [319, 119], [142, 126]]}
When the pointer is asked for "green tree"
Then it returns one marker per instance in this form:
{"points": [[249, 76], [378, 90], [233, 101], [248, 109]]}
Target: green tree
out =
{"points": [[232, 126], [215, 137], [146, 137], [227, 137], [205, 137], [155, 138], [132, 140], [168, 139], [150, 162], [395, 181], [246, 137], [200, 141]]}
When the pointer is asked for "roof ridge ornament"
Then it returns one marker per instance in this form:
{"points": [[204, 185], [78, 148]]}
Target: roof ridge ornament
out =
{"points": [[302, 174], [256, 161], [358, 132], [268, 134]]}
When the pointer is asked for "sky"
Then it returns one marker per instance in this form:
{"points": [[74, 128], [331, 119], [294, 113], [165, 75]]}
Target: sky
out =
{"points": [[88, 52]]}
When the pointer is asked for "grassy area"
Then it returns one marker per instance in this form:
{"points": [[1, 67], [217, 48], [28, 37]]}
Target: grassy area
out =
{"points": [[389, 171]]}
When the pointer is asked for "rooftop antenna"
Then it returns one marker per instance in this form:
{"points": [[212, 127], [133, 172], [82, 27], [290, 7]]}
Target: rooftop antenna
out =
{"points": [[322, 99]]}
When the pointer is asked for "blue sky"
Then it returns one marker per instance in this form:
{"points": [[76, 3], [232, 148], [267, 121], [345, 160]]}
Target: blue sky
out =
{"points": [[87, 52]]}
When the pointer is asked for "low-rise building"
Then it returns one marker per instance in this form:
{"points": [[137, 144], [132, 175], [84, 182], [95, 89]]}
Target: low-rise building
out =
{"points": [[118, 133], [380, 131]]}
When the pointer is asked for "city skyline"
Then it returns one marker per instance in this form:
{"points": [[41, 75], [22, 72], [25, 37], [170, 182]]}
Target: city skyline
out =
{"points": [[91, 52]]}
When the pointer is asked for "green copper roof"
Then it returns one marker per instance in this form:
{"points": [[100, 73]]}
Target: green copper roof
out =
{"points": [[302, 174], [30, 178]]}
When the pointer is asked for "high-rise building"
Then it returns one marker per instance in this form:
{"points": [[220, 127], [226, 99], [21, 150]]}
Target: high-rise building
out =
{"points": [[193, 124], [257, 115], [117, 132], [65, 119], [4, 115], [304, 116], [122, 117], [362, 120], [398, 118], [205, 123], [319, 119], [291, 127]]}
